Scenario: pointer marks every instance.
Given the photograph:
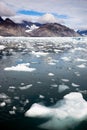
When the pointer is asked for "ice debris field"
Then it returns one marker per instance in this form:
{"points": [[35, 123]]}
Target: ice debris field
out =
{"points": [[44, 80]]}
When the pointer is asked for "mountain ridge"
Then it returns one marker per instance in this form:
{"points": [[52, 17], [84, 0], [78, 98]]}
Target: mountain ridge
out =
{"points": [[30, 29]]}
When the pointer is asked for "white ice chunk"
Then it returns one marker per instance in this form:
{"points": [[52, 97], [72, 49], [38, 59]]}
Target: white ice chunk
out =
{"points": [[52, 63], [2, 47], [50, 74], [12, 112], [75, 85], [41, 96], [81, 66], [20, 67], [81, 60], [2, 104], [65, 58], [3, 96], [67, 113], [54, 85], [25, 87], [62, 88], [38, 54], [65, 80]]}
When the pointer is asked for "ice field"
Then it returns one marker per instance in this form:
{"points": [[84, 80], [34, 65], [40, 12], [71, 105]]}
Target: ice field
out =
{"points": [[43, 83]]}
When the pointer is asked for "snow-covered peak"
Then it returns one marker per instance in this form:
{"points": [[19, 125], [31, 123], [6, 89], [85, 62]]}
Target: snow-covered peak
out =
{"points": [[31, 28]]}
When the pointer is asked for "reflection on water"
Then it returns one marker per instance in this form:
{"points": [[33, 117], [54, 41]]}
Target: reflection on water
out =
{"points": [[58, 68]]}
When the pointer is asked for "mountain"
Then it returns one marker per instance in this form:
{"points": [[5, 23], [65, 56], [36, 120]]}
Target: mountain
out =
{"points": [[10, 28], [82, 32], [30, 29], [54, 30]]}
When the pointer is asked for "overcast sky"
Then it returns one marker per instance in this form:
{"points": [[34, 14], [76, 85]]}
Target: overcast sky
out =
{"points": [[72, 13]]}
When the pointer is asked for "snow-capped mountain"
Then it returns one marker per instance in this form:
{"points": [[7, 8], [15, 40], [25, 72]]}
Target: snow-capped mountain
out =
{"points": [[31, 28], [82, 32], [10, 28]]}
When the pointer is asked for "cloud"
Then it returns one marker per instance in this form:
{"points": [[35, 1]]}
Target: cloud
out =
{"points": [[74, 10], [66, 114], [5, 10], [20, 17], [49, 18]]}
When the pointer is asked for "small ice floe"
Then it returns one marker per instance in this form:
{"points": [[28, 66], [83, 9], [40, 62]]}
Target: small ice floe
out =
{"points": [[81, 66], [38, 54], [0, 86], [2, 47], [66, 58], [77, 74], [83, 91], [2, 104], [62, 88], [54, 85], [79, 49], [14, 108], [39, 82], [16, 98], [12, 112], [25, 87], [65, 80], [52, 63], [25, 102], [80, 60], [3, 96], [11, 88], [50, 74], [22, 84], [66, 114], [20, 67], [75, 85], [41, 96]]}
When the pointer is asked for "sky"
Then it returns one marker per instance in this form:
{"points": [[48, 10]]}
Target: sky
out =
{"points": [[72, 13]]}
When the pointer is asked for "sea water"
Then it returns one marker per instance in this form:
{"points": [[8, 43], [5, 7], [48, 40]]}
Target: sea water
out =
{"points": [[43, 83]]}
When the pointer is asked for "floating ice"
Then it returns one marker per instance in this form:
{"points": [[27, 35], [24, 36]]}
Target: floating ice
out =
{"points": [[75, 85], [3, 96], [54, 85], [38, 54], [41, 96], [66, 114], [2, 104], [2, 47], [81, 60], [52, 63], [25, 87], [39, 82], [81, 66], [62, 88], [12, 112], [50, 74], [65, 80], [20, 67], [77, 73], [65, 58]]}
